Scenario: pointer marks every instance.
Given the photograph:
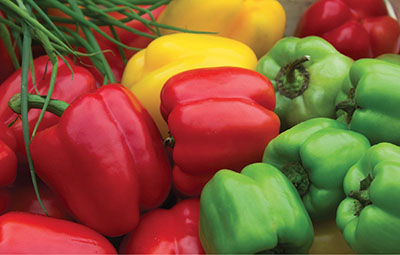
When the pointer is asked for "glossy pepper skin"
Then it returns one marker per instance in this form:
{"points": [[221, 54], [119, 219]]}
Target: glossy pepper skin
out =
{"points": [[8, 159], [307, 75], [26, 233], [67, 88], [8, 165], [256, 211], [148, 70], [258, 24], [369, 215], [315, 155], [368, 98], [162, 231], [110, 160], [24, 199], [218, 133], [356, 28], [216, 82], [207, 83]]}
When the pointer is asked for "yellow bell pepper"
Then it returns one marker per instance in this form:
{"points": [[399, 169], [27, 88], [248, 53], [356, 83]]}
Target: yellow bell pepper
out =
{"points": [[257, 23], [148, 70]]}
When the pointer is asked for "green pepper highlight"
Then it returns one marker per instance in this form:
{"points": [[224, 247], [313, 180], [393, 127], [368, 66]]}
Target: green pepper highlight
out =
{"points": [[256, 211]]}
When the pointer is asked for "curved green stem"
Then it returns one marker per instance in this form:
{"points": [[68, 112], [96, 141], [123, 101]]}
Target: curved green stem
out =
{"points": [[293, 79], [298, 176], [26, 49], [33, 101]]}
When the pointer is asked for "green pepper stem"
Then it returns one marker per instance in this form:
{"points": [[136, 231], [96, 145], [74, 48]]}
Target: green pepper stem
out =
{"points": [[362, 195], [56, 107], [348, 105], [296, 173], [169, 141], [293, 79]]}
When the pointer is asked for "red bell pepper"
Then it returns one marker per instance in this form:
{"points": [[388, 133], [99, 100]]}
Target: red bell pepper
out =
{"points": [[36, 234], [67, 88], [356, 28], [5, 199], [109, 160], [8, 159], [216, 82], [8, 165], [161, 231], [23, 199], [219, 118]]}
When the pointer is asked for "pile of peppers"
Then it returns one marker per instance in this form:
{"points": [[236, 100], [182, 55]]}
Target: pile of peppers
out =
{"points": [[235, 139]]}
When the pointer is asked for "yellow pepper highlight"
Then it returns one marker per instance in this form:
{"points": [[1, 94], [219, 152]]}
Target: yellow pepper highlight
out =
{"points": [[148, 70], [257, 23]]}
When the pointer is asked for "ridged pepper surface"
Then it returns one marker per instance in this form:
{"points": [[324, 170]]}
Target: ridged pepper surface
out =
{"points": [[307, 74], [104, 159], [148, 70], [368, 100], [255, 211], [67, 88], [369, 216], [256, 23], [356, 28], [220, 117], [315, 155], [162, 231]]}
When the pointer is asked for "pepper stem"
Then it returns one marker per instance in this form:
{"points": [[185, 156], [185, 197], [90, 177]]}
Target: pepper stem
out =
{"points": [[296, 173], [362, 195], [56, 107], [348, 105], [293, 79]]}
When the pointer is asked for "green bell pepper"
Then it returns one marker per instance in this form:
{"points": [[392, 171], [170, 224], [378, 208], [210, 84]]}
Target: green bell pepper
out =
{"points": [[369, 216], [369, 100], [315, 155], [307, 74], [391, 58], [256, 211]]}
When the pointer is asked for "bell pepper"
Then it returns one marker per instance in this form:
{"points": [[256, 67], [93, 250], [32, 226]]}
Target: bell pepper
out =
{"points": [[8, 159], [216, 82], [369, 216], [8, 165], [315, 155], [148, 70], [356, 28], [5, 198], [162, 231], [217, 133], [24, 199], [328, 239], [258, 24], [207, 83], [307, 75], [368, 98], [110, 159], [26, 233], [67, 88], [257, 211], [391, 58]]}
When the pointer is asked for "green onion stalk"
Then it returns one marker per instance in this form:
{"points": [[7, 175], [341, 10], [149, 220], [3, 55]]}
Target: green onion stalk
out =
{"points": [[28, 22]]}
